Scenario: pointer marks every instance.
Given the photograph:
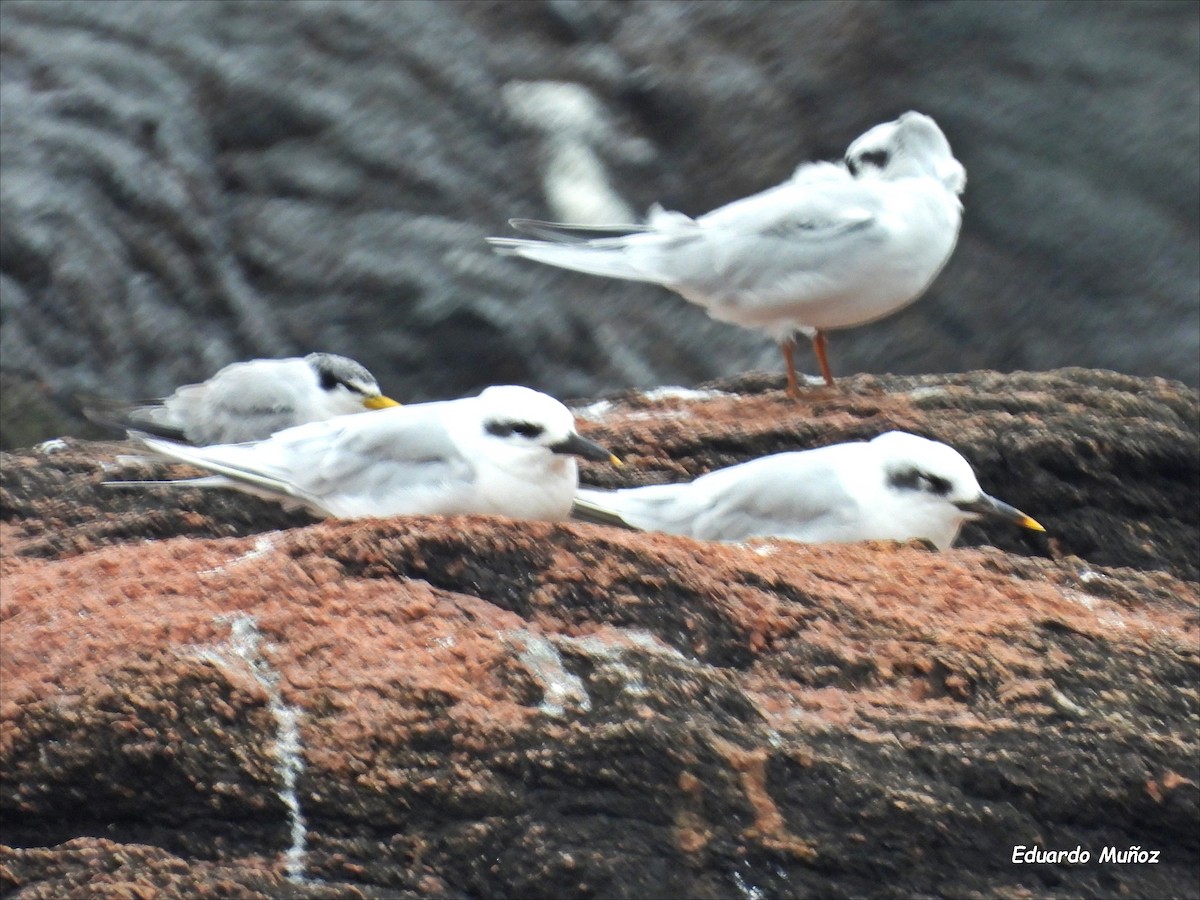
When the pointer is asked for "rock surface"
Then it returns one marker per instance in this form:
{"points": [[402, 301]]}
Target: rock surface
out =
{"points": [[192, 183], [1110, 464], [203, 696]]}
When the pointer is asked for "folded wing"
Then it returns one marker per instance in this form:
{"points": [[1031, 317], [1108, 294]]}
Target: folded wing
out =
{"points": [[768, 247], [394, 461]]}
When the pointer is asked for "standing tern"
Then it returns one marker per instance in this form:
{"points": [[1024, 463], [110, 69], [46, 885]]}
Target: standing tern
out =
{"points": [[833, 247]]}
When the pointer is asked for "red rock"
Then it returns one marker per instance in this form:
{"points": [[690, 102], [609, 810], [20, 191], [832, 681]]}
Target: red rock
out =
{"points": [[495, 708]]}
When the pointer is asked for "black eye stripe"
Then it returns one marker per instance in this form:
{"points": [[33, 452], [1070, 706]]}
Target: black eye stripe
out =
{"points": [[915, 480], [938, 485], [876, 157], [507, 429], [329, 381]]}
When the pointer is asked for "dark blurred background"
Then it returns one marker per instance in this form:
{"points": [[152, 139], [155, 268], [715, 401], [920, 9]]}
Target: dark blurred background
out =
{"points": [[185, 184]]}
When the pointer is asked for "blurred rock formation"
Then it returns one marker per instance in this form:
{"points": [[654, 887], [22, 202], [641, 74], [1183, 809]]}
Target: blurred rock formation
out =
{"points": [[188, 184], [203, 695]]}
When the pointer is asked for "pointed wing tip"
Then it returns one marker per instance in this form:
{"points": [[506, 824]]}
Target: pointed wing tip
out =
{"points": [[594, 514]]}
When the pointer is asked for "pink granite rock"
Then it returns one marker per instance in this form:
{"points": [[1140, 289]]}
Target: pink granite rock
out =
{"points": [[225, 701]]}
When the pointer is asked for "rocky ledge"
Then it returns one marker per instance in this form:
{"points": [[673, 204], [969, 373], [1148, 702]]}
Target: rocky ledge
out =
{"points": [[205, 696]]}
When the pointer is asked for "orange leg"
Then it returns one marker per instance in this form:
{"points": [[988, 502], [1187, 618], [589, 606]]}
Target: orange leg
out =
{"points": [[789, 350], [819, 347]]}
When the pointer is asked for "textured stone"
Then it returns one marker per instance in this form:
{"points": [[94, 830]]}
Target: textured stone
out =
{"points": [[187, 184], [540, 710], [479, 707], [1110, 464]]}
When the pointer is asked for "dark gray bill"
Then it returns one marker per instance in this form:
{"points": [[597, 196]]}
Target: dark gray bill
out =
{"points": [[991, 508], [581, 446]]}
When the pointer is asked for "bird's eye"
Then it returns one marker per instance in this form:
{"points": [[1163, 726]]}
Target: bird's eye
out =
{"points": [[329, 381], [909, 479], [852, 165], [527, 429], [935, 485], [507, 429], [916, 480], [877, 158]]}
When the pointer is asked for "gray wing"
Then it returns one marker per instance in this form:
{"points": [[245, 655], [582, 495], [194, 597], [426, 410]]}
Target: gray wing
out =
{"points": [[799, 496], [772, 246], [246, 401], [148, 416], [669, 508], [408, 452], [592, 506], [398, 460], [561, 232]]}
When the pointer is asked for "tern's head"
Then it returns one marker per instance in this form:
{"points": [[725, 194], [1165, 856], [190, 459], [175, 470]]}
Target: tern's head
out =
{"points": [[911, 146], [934, 485], [348, 386], [518, 422]]}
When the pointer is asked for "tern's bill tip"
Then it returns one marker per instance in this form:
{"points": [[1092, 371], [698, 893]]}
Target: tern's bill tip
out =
{"points": [[1030, 523], [380, 402]]}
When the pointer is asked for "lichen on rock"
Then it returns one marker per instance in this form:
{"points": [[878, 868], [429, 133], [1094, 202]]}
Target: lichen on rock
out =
{"points": [[490, 707]]}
